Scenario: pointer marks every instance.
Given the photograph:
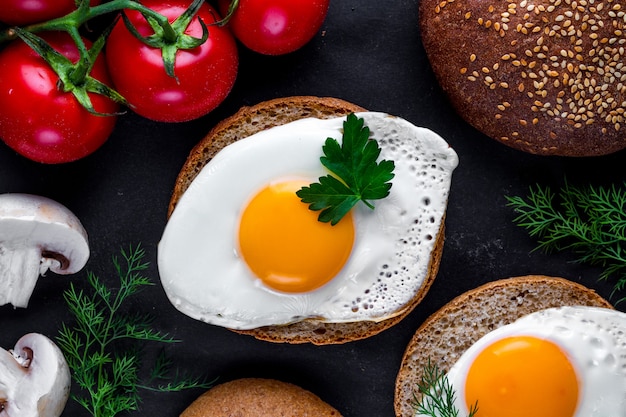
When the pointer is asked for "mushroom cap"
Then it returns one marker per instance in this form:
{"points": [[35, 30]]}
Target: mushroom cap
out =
{"points": [[32, 220], [35, 377]]}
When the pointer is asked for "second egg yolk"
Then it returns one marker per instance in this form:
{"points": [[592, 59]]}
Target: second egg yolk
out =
{"points": [[285, 245], [522, 376]]}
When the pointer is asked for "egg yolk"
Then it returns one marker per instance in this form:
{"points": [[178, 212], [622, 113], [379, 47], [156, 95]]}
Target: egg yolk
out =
{"points": [[285, 245], [522, 376]]}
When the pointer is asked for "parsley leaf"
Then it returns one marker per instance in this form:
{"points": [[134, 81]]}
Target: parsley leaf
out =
{"points": [[357, 175]]}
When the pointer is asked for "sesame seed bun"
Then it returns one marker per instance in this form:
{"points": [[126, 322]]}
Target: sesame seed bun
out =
{"points": [[250, 120], [450, 331], [257, 397], [545, 77]]}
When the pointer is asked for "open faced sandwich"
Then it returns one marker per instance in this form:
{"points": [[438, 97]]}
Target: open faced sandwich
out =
{"points": [[263, 239], [523, 346]]}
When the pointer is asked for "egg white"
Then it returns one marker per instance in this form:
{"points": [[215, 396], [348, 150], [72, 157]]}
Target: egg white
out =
{"points": [[206, 279], [594, 339]]}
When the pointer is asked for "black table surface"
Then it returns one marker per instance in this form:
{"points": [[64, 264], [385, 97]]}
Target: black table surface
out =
{"points": [[368, 52]]}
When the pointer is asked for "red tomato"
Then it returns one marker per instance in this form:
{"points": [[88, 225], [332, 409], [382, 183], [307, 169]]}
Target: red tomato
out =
{"points": [[23, 12], [204, 75], [276, 27], [37, 119]]}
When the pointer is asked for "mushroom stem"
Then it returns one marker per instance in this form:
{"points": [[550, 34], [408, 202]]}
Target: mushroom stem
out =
{"points": [[11, 373], [19, 269]]}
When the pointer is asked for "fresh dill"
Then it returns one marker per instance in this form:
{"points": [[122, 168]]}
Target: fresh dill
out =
{"points": [[588, 221], [437, 395], [357, 174], [102, 347]]}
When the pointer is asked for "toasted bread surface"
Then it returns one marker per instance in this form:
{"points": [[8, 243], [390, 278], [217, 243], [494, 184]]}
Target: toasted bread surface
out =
{"points": [[267, 114], [450, 331], [258, 397]]}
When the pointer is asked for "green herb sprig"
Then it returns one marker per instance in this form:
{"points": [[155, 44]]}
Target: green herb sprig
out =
{"points": [[356, 174], [588, 221], [438, 395], [99, 348]]}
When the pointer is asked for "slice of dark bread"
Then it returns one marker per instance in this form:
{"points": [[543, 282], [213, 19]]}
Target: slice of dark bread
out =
{"points": [[250, 120], [450, 331], [258, 397]]}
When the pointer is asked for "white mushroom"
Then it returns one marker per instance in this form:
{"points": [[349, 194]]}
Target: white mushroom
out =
{"points": [[34, 378], [36, 234]]}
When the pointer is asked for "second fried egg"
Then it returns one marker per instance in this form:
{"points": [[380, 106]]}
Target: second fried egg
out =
{"points": [[559, 362]]}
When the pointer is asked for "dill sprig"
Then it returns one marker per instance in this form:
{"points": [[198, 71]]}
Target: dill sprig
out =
{"points": [[438, 395], [102, 348], [588, 221]]}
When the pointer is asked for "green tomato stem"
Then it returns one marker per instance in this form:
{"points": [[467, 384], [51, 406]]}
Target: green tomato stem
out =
{"points": [[231, 9], [81, 15]]}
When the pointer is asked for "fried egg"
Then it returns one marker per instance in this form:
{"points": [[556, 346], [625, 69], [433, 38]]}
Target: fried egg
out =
{"points": [[559, 362], [241, 250]]}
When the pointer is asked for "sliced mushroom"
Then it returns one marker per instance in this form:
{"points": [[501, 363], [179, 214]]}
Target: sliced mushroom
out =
{"points": [[36, 234], [35, 380]]}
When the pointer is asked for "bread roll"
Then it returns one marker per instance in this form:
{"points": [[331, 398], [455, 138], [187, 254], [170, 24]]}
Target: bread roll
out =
{"points": [[543, 76], [257, 397]]}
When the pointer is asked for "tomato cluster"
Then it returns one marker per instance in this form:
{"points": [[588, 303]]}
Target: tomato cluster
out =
{"points": [[41, 118]]}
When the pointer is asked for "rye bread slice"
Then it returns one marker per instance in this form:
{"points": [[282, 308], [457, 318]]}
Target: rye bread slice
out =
{"points": [[450, 331]]}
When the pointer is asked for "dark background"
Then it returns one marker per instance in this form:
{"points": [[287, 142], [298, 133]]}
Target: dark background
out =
{"points": [[367, 52]]}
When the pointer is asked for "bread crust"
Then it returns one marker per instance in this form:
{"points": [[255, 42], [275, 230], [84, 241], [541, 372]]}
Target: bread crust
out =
{"points": [[258, 397], [544, 78], [250, 120], [267, 114], [451, 330]]}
